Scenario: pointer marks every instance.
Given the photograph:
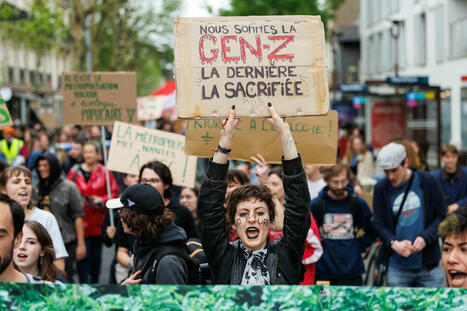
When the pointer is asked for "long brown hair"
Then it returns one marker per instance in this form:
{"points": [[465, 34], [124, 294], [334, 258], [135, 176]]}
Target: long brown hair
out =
{"points": [[349, 154], [146, 227], [47, 270], [16, 171]]}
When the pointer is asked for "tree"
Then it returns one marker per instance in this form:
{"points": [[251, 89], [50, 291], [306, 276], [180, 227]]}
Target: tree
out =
{"points": [[283, 7], [40, 29], [126, 35]]}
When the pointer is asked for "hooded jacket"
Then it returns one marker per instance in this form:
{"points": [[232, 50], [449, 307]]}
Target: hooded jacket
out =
{"points": [[59, 196], [171, 269], [284, 256]]}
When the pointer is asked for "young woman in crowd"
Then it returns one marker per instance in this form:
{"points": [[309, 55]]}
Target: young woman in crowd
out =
{"points": [[91, 181], [189, 199], [35, 254], [158, 175], [358, 158], [453, 231], [252, 259], [16, 181]]}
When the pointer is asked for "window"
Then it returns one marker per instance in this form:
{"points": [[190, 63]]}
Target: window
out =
{"points": [[369, 54], [420, 38], [22, 77], [369, 11], [388, 58], [439, 16], [32, 78], [377, 58], [11, 75], [402, 46], [459, 38], [464, 116], [445, 116], [49, 80]]}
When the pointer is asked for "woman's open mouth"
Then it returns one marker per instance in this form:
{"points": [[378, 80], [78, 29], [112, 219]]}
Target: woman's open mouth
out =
{"points": [[23, 195], [22, 257], [252, 233], [458, 278]]}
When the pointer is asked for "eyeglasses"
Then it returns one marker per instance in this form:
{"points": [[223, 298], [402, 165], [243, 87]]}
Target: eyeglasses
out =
{"points": [[343, 182], [149, 180]]}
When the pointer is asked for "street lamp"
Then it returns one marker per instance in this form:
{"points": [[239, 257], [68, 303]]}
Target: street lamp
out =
{"points": [[395, 32]]}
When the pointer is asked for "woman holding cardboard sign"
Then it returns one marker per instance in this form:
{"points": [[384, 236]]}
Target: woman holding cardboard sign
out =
{"points": [[253, 260]]}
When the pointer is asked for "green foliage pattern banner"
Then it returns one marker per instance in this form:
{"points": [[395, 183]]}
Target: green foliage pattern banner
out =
{"points": [[14, 296]]}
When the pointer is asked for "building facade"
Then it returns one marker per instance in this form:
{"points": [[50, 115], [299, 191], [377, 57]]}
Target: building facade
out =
{"points": [[423, 38], [35, 82]]}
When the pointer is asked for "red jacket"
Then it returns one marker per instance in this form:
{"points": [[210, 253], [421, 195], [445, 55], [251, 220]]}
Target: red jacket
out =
{"points": [[96, 186]]}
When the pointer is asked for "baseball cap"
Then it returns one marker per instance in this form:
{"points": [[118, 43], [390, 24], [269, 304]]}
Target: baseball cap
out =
{"points": [[391, 156], [140, 198]]}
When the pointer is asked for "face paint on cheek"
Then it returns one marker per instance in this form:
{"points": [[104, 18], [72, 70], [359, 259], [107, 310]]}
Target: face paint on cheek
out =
{"points": [[263, 221]]}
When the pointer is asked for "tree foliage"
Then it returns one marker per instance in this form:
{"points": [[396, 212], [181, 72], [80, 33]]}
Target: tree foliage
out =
{"points": [[40, 29], [283, 7], [127, 36]]}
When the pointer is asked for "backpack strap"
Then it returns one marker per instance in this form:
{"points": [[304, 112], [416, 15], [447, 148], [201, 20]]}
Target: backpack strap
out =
{"points": [[320, 214], [354, 210], [150, 267]]}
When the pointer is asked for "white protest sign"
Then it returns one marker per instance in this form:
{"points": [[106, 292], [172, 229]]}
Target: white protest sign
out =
{"points": [[150, 107], [132, 146]]}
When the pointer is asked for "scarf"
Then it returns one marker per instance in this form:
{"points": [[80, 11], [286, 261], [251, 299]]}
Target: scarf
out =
{"points": [[256, 272]]}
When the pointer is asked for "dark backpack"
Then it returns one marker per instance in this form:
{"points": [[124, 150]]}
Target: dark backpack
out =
{"points": [[193, 254], [322, 210]]}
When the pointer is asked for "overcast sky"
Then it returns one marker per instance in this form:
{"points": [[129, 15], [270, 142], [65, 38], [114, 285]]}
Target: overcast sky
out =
{"points": [[197, 8]]}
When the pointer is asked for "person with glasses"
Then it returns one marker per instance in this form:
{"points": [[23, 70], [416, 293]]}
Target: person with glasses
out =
{"points": [[158, 175], [344, 221]]}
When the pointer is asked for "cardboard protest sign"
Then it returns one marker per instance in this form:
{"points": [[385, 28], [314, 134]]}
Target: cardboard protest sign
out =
{"points": [[5, 118], [99, 98], [315, 137], [250, 61], [150, 107], [132, 146]]}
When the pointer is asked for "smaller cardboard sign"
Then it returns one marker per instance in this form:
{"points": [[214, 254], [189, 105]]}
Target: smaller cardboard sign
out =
{"points": [[99, 98], [133, 146], [5, 118], [315, 138], [150, 107]]}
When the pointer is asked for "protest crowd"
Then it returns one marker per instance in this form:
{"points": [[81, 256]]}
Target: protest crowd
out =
{"points": [[246, 223]]}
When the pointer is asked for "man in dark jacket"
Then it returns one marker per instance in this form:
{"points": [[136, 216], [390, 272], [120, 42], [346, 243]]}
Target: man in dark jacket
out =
{"points": [[144, 215], [344, 220], [413, 242], [62, 198], [252, 259], [452, 178]]}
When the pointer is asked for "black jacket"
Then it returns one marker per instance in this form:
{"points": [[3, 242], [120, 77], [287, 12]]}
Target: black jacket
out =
{"points": [[171, 269], [284, 258]]}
